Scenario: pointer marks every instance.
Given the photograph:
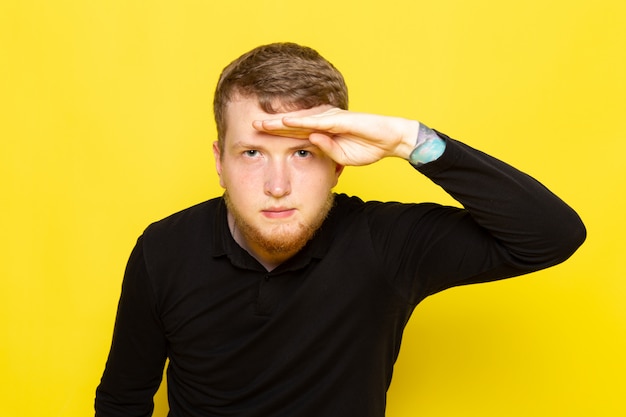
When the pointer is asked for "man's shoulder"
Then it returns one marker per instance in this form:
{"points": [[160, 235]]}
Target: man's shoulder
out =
{"points": [[190, 220], [187, 234], [352, 204], [381, 214], [347, 201]]}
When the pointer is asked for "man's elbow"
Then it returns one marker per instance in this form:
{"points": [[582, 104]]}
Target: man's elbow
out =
{"points": [[551, 242], [573, 237], [561, 240]]}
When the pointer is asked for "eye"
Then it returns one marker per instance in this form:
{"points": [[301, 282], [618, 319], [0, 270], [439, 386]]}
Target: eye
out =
{"points": [[303, 153], [251, 153]]}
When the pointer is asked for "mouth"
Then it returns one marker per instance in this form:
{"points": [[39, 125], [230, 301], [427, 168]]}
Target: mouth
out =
{"points": [[278, 212]]}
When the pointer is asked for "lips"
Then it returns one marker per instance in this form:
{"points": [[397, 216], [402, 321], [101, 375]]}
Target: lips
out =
{"points": [[278, 212]]}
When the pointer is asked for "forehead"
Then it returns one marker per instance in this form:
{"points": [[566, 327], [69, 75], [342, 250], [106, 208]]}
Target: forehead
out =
{"points": [[241, 111], [241, 107]]}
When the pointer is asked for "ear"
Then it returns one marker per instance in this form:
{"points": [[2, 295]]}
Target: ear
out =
{"points": [[218, 161], [338, 171]]}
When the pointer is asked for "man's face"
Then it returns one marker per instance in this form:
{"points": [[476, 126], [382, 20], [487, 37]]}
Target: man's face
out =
{"points": [[278, 189]]}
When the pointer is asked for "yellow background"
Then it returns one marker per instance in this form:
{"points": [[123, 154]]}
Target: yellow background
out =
{"points": [[106, 125]]}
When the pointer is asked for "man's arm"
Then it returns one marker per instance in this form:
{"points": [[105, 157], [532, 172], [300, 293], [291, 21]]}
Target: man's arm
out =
{"points": [[135, 365], [511, 224]]}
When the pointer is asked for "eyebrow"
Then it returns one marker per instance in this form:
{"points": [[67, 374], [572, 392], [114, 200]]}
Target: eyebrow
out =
{"points": [[303, 144], [306, 144]]}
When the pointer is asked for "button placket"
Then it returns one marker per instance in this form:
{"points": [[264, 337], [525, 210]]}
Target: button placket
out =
{"points": [[266, 298]]}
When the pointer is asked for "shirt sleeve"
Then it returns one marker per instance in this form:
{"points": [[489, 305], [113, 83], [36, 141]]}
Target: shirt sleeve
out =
{"points": [[135, 364], [510, 224]]}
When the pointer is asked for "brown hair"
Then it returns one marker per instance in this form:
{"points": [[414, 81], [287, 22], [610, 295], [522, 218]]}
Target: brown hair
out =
{"points": [[283, 77]]}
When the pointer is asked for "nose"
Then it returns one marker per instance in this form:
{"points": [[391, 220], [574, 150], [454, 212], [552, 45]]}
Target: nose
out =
{"points": [[277, 179]]}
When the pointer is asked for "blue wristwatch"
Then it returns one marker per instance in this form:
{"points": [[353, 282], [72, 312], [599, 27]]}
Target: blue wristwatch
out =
{"points": [[430, 147]]}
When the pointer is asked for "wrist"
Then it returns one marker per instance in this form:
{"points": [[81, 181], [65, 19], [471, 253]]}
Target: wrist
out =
{"points": [[407, 130], [428, 147]]}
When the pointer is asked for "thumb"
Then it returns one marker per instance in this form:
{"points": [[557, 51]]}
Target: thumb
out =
{"points": [[328, 145]]}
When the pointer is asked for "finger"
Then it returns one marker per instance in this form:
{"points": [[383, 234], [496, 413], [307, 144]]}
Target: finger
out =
{"points": [[328, 145], [268, 124], [284, 132], [318, 123], [329, 121], [277, 125]]}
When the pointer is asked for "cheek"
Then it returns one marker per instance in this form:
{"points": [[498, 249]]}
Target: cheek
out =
{"points": [[314, 187], [328, 176], [241, 184]]}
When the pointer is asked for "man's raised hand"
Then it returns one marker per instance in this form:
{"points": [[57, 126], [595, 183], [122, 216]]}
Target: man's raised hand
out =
{"points": [[349, 138]]}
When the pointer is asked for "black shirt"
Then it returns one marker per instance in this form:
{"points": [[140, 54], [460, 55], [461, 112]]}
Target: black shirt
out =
{"points": [[317, 336]]}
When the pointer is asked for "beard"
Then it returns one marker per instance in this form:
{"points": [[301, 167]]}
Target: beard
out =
{"points": [[278, 239]]}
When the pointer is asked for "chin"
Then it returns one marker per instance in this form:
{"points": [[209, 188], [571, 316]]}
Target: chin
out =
{"points": [[281, 239]]}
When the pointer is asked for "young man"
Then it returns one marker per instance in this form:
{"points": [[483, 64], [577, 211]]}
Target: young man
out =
{"points": [[281, 298]]}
